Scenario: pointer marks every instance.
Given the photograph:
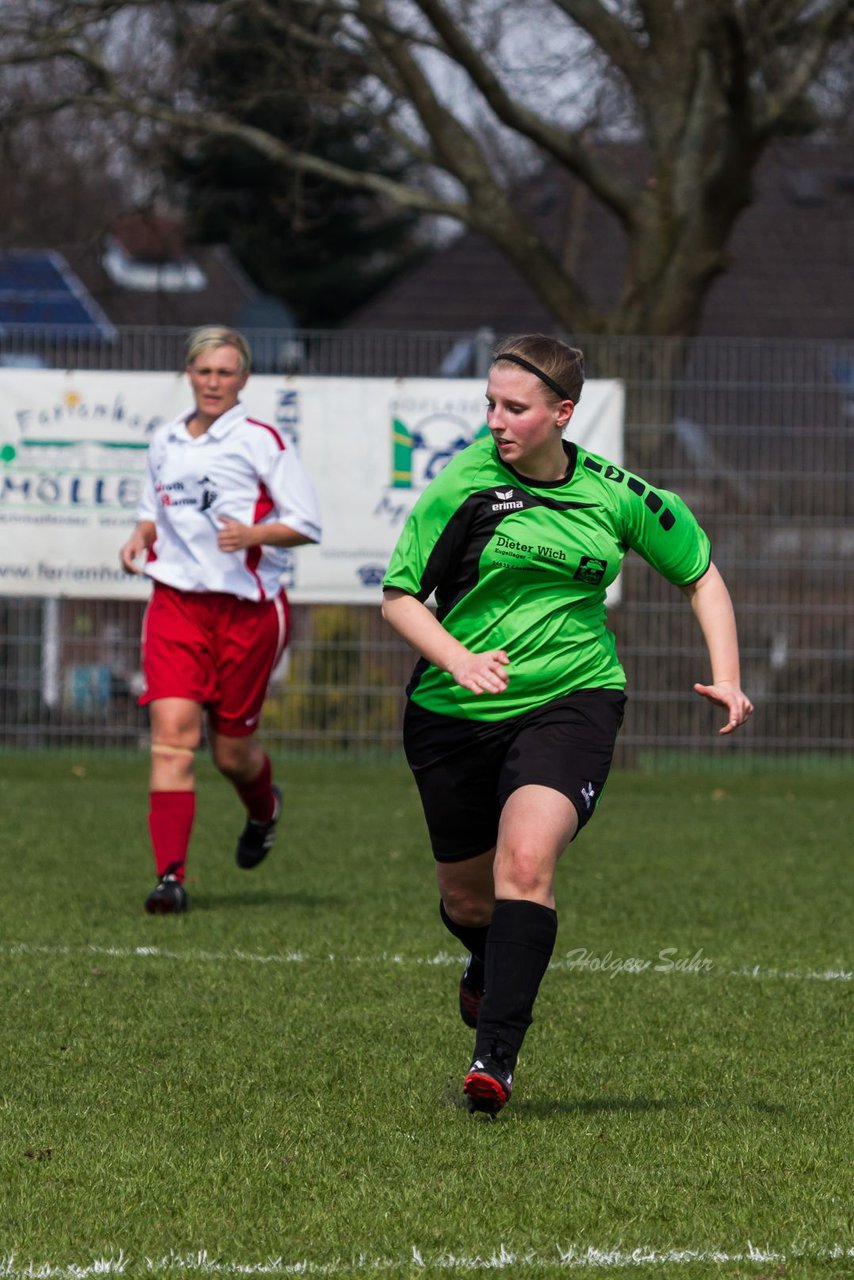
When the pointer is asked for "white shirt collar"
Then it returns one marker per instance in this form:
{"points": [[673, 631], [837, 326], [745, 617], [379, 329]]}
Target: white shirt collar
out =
{"points": [[218, 429]]}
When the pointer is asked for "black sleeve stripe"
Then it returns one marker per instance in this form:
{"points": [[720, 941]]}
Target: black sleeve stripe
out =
{"points": [[652, 500]]}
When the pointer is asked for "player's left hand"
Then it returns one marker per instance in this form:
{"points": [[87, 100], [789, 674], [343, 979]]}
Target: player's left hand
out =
{"points": [[234, 536], [738, 704]]}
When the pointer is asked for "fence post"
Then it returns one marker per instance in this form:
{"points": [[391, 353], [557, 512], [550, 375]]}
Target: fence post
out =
{"points": [[484, 341], [50, 652]]}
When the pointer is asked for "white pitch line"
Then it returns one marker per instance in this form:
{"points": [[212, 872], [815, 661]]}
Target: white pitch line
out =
{"points": [[632, 967], [570, 1257], [826, 975]]}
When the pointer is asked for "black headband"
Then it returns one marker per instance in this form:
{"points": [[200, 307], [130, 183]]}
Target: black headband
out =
{"points": [[532, 368]]}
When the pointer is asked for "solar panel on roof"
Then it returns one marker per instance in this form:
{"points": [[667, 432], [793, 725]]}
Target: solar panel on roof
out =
{"points": [[39, 288]]}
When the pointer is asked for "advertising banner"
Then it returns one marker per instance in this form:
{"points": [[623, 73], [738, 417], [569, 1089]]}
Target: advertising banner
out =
{"points": [[73, 451]]}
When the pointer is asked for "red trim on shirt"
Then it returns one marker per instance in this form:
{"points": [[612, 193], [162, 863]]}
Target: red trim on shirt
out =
{"points": [[253, 559], [263, 506], [263, 503], [272, 430]]}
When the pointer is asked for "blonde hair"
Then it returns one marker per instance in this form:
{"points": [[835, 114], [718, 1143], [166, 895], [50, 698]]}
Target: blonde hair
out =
{"points": [[560, 363], [217, 335]]}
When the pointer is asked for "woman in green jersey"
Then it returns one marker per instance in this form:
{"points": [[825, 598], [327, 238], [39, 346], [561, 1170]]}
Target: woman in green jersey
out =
{"points": [[516, 701]]}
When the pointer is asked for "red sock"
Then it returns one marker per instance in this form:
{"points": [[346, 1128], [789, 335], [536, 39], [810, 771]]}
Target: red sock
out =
{"points": [[170, 821], [257, 796]]}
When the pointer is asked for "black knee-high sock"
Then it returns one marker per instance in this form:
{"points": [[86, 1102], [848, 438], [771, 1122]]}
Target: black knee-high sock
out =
{"points": [[472, 936], [520, 944]]}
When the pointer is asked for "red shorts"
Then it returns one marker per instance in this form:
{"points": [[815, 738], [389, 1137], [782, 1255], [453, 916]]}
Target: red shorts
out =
{"points": [[215, 649]]}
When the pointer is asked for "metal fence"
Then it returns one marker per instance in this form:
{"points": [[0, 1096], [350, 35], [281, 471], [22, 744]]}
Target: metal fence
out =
{"points": [[757, 436]]}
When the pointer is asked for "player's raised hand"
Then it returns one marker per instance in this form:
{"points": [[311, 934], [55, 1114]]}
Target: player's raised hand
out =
{"points": [[737, 704], [482, 672]]}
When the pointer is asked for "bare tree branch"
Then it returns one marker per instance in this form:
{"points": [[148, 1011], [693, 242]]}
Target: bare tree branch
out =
{"points": [[787, 85], [707, 84], [608, 32], [564, 146]]}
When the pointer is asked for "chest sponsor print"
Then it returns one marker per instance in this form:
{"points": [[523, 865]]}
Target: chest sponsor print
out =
{"points": [[177, 493]]}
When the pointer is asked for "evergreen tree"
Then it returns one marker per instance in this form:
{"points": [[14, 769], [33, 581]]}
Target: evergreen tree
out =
{"points": [[322, 250]]}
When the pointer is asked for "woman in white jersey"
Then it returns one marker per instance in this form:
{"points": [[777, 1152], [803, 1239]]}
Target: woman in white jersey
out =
{"points": [[225, 494], [516, 702]]}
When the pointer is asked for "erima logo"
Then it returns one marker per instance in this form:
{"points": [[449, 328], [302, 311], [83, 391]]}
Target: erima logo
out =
{"points": [[588, 793], [505, 504]]}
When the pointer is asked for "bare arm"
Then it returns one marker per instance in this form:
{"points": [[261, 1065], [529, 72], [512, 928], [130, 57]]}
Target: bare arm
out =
{"points": [[139, 541], [478, 672], [234, 536], [712, 607]]}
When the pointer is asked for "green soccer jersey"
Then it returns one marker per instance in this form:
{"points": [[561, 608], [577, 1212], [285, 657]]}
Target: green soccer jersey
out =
{"points": [[523, 566]]}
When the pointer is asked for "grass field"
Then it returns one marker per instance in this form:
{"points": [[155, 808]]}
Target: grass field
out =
{"points": [[271, 1085]]}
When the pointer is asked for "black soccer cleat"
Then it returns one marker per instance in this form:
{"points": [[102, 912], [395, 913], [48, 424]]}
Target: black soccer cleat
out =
{"points": [[257, 838], [489, 1083], [471, 991], [168, 897]]}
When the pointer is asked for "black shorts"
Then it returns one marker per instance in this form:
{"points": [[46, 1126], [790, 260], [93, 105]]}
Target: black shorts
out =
{"points": [[466, 769]]}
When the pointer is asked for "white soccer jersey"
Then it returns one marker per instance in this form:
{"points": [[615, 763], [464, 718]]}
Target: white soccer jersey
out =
{"points": [[239, 468]]}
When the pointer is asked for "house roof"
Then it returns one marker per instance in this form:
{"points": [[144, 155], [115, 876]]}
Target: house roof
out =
{"points": [[37, 287], [141, 272], [792, 254]]}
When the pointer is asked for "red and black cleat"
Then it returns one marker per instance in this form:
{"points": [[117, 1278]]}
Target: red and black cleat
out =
{"points": [[488, 1085]]}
